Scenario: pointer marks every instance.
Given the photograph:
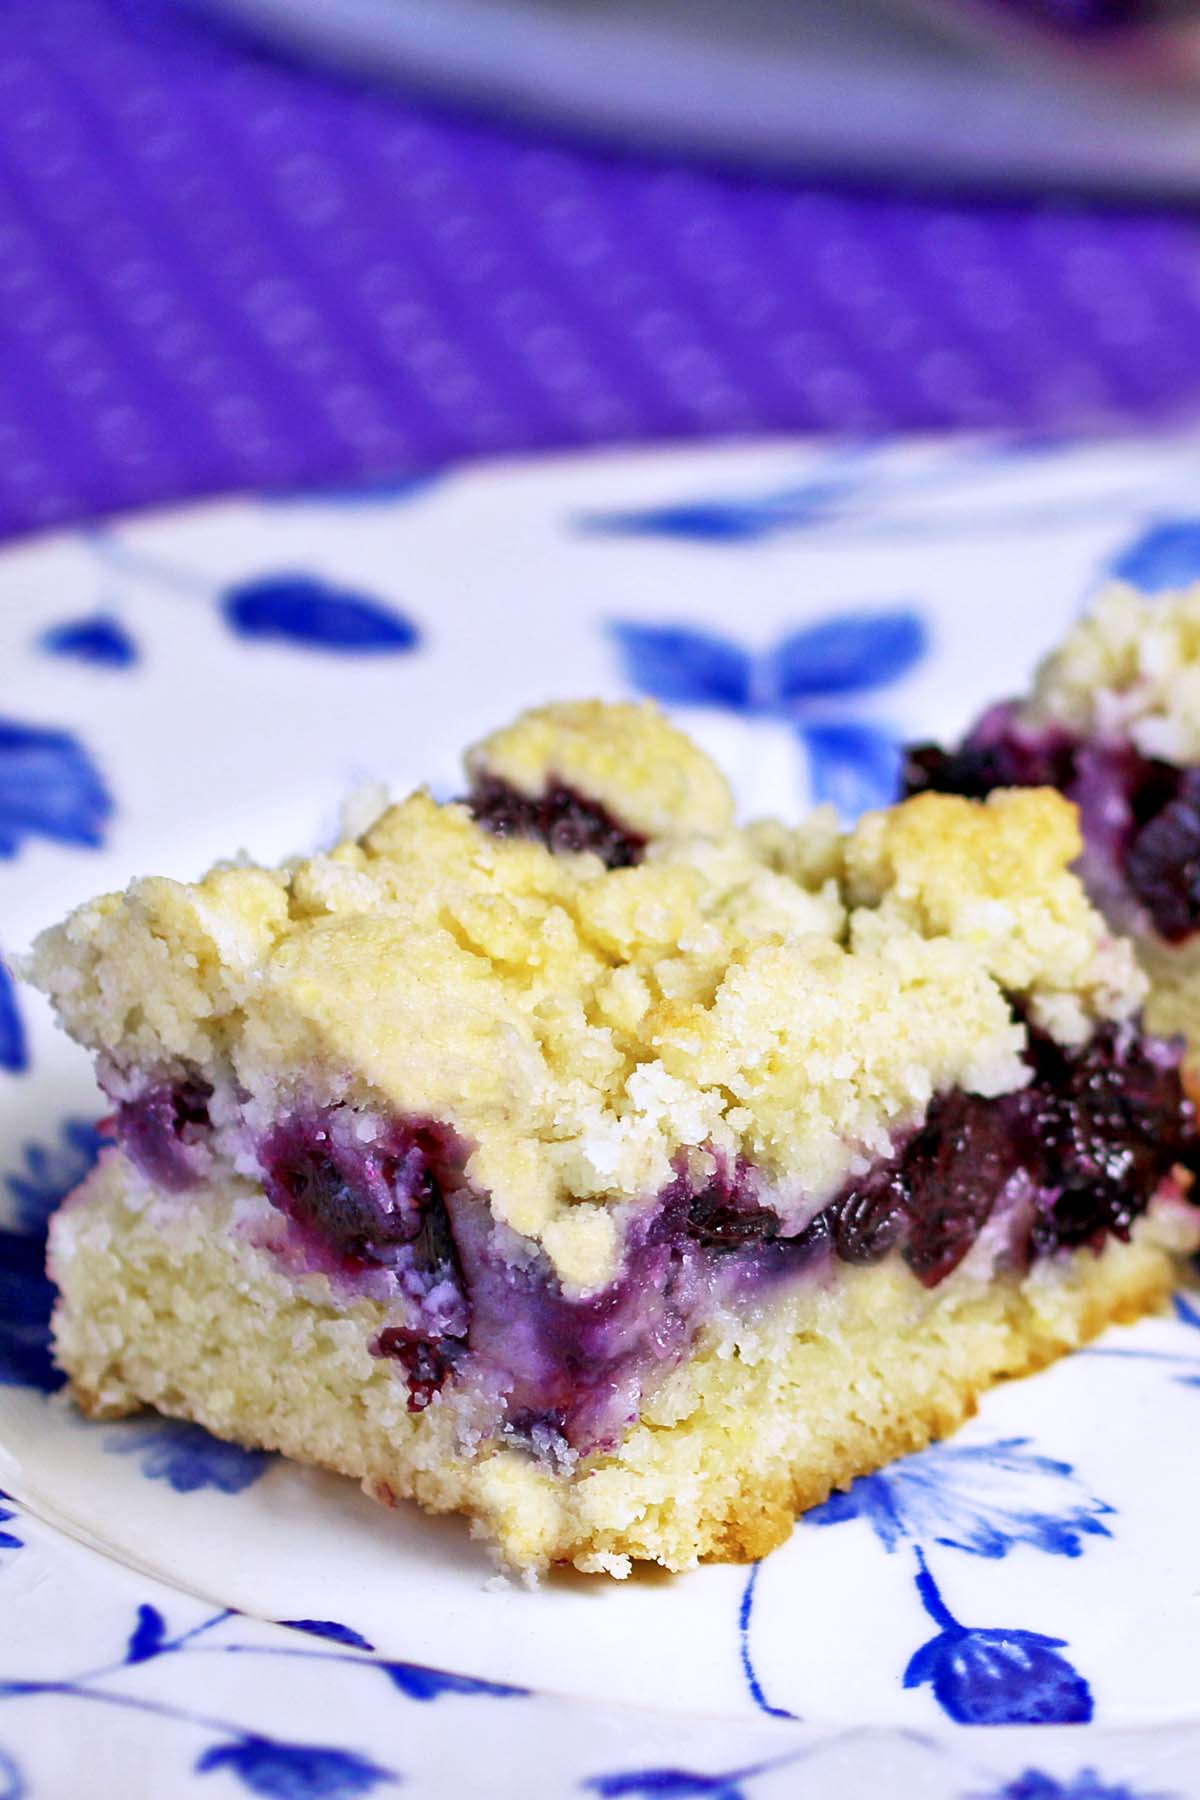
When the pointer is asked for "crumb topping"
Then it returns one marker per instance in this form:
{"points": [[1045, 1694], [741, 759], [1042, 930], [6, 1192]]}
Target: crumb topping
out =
{"points": [[627, 757], [1130, 669], [795, 997]]}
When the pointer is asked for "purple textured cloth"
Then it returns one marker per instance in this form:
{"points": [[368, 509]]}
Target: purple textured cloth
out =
{"points": [[219, 269]]}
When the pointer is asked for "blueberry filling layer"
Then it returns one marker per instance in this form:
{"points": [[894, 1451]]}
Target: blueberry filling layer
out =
{"points": [[1140, 817], [560, 818], [1071, 1158], [374, 1202], [162, 1130]]}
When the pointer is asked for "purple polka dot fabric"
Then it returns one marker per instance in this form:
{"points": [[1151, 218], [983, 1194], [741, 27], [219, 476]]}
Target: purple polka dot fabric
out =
{"points": [[221, 269]]}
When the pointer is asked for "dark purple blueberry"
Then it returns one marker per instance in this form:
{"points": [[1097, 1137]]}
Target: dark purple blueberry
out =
{"points": [[999, 752], [956, 1168], [427, 1362], [871, 1218], [724, 1215], [1102, 1127], [363, 1200], [1163, 862], [159, 1130], [560, 818]]}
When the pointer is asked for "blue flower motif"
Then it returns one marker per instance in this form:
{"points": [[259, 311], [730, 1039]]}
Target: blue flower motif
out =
{"points": [[329, 1628], [301, 609], [295, 1771], [1001, 1678], [983, 1498], [852, 762], [26, 1292], [49, 787], [1032, 1784], [995, 1677], [1166, 555], [14, 1053], [420, 1683], [101, 640], [188, 1457]]}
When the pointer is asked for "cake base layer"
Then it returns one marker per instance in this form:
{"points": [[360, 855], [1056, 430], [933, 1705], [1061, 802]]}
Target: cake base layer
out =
{"points": [[172, 1304]]}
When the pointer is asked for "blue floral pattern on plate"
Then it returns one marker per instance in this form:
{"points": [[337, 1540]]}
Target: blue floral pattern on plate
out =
{"points": [[853, 762], [50, 787], [100, 640], [781, 650], [46, 1176]]}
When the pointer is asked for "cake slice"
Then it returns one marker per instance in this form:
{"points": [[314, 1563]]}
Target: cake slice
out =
{"points": [[1113, 721], [573, 1159]]}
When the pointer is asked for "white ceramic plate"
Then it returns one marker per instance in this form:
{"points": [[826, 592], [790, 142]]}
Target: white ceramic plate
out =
{"points": [[181, 686]]}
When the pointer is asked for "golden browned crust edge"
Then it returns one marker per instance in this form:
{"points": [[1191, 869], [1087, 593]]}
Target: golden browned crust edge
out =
{"points": [[764, 1519]]}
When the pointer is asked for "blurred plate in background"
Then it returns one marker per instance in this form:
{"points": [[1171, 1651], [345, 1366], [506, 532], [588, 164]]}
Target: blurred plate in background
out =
{"points": [[926, 89]]}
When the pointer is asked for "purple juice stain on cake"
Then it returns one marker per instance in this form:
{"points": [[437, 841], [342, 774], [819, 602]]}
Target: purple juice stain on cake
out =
{"points": [[163, 1132], [1140, 816], [1073, 1157], [428, 1362], [561, 818], [366, 1197], [370, 1194]]}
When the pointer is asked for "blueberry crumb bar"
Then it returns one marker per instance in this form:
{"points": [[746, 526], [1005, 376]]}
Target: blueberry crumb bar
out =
{"points": [[577, 1160], [1113, 722]]}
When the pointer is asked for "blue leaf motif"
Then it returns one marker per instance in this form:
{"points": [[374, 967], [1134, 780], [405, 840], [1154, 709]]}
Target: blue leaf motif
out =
{"points": [[420, 1683], [330, 1628], [14, 1053], [9, 1539], [51, 1173], [26, 1293], [189, 1458], [1186, 1312], [373, 490], [731, 519], [1001, 1678], [850, 653], [301, 609], [1165, 556], [100, 640], [49, 787], [146, 1639], [853, 767], [26, 1301], [853, 763], [684, 666], [295, 1771], [982, 1498], [1032, 1784], [666, 1784], [12, 1784]]}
